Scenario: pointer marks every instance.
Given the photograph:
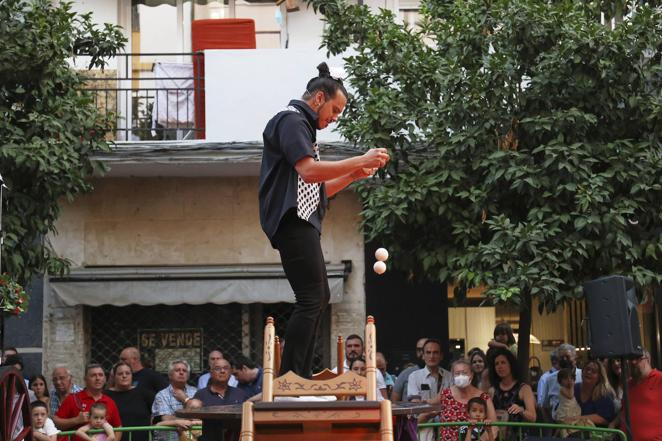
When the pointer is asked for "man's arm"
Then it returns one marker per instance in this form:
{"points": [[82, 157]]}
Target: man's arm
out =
{"points": [[69, 423], [312, 171], [160, 408], [412, 386], [400, 387], [336, 185]]}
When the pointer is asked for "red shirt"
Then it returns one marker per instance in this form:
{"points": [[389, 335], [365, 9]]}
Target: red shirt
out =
{"points": [[81, 401], [645, 408]]}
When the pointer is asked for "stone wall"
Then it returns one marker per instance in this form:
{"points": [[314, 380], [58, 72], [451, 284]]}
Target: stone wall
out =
{"points": [[184, 221]]}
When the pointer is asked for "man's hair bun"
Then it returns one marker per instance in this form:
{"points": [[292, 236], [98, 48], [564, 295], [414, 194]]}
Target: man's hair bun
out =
{"points": [[324, 71]]}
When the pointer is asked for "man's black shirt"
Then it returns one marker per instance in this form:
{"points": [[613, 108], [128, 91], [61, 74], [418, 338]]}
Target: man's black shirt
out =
{"points": [[288, 137]]}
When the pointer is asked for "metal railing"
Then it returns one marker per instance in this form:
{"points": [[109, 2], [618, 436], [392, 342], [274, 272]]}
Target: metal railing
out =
{"points": [[512, 431], [152, 96], [520, 430], [128, 432]]}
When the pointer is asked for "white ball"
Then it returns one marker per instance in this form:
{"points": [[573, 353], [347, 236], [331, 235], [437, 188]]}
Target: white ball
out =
{"points": [[381, 254], [379, 267]]}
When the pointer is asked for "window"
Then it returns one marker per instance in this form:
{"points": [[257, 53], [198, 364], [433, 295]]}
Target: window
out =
{"points": [[408, 12], [165, 25]]}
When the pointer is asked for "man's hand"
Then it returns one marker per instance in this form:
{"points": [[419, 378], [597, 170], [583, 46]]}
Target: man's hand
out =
{"points": [[183, 424], [375, 158], [83, 418], [180, 395], [363, 173]]}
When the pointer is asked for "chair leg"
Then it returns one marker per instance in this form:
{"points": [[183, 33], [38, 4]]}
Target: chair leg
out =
{"points": [[386, 420], [247, 427]]}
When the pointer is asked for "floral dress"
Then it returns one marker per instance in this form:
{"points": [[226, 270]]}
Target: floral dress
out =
{"points": [[453, 410]]}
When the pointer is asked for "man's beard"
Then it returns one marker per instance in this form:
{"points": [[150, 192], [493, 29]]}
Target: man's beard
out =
{"points": [[636, 373], [352, 356]]}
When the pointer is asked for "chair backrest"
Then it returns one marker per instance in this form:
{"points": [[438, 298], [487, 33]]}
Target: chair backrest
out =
{"points": [[344, 384], [326, 373]]}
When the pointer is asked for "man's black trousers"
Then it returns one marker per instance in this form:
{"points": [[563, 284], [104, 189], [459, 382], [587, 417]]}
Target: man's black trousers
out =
{"points": [[301, 254]]}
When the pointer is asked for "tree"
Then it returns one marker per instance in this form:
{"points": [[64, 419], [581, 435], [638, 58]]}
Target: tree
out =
{"points": [[49, 127], [525, 138]]}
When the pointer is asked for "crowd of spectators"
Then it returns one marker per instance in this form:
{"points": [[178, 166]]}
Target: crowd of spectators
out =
{"points": [[483, 387]]}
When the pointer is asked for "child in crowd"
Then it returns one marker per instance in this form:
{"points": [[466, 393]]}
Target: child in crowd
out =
{"points": [[503, 338], [97, 421], [43, 428], [569, 411], [477, 410]]}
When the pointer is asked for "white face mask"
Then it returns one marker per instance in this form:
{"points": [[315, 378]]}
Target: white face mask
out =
{"points": [[461, 381]]}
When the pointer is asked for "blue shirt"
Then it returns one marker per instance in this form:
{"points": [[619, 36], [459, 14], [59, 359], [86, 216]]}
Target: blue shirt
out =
{"points": [[603, 406], [253, 388], [165, 403], [211, 398], [542, 383], [204, 380]]}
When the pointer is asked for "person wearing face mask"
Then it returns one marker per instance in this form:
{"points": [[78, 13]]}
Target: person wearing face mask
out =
{"points": [[293, 189], [513, 398], [454, 401], [548, 397]]}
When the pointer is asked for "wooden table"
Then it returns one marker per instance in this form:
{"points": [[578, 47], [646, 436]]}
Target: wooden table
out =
{"points": [[224, 422]]}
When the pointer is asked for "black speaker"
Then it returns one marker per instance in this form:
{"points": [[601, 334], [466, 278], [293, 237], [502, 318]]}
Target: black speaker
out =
{"points": [[612, 316]]}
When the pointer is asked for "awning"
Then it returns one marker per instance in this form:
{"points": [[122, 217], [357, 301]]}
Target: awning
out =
{"points": [[121, 286]]}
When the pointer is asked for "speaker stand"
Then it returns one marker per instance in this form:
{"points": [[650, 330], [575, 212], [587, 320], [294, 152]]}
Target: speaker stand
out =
{"points": [[625, 368]]}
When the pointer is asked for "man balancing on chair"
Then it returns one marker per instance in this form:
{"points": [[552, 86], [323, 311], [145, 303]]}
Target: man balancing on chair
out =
{"points": [[293, 191]]}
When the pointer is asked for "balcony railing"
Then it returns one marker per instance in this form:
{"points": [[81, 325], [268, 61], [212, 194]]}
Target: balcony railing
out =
{"points": [[153, 96]]}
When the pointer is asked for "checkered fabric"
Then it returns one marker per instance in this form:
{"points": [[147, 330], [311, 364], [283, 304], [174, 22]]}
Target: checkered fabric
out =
{"points": [[308, 195]]}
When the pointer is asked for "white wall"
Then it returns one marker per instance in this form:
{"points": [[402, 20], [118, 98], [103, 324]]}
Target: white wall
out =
{"points": [[303, 28], [245, 88], [474, 325], [103, 11]]}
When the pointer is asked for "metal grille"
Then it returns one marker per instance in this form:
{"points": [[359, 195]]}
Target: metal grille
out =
{"points": [[281, 313], [148, 101], [233, 327]]}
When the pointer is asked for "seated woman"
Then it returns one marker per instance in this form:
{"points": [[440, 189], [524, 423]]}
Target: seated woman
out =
{"points": [[513, 399], [594, 394], [455, 398]]}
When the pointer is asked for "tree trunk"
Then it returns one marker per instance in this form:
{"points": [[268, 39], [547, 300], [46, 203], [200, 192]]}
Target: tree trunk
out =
{"points": [[524, 337]]}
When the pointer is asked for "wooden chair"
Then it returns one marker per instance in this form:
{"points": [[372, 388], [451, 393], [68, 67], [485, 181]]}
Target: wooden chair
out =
{"points": [[345, 420]]}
